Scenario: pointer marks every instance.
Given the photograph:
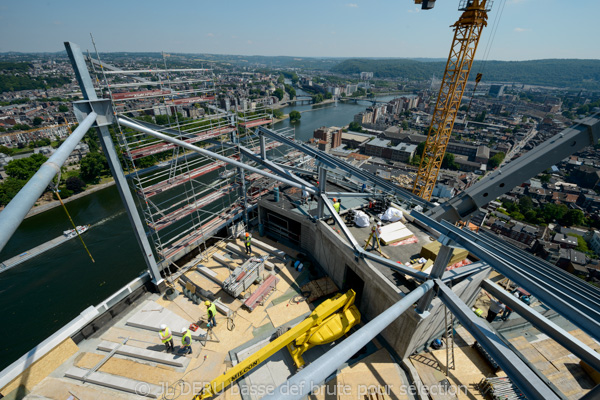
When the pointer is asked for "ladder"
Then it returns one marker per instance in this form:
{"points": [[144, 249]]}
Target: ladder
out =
{"points": [[449, 323]]}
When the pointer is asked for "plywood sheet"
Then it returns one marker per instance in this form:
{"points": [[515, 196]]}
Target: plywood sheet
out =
{"points": [[205, 370], [129, 369], [43, 367], [353, 382], [287, 311], [231, 339], [53, 388]]}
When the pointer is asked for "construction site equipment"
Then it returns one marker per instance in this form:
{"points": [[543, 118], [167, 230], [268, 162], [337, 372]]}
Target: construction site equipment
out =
{"points": [[374, 237], [467, 31], [328, 322], [262, 292], [244, 276]]}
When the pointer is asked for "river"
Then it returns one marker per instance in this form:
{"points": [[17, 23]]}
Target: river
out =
{"points": [[41, 295]]}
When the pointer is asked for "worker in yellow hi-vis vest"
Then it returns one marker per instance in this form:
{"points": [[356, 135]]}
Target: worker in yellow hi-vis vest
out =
{"points": [[211, 309], [248, 243], [165, 336], [336, 205], [186, 341]]}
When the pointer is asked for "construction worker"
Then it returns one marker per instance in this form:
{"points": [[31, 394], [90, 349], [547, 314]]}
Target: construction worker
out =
{"points": [[336, 205], [165, 336], [304, 196], [211, 309], [376, 231], [248, 243], [186, 340]]}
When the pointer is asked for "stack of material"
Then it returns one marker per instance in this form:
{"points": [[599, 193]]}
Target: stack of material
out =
{"points": [[431, 250], [319, 288], [361, 219], [244, 276], [395, 232], [262, 292]]}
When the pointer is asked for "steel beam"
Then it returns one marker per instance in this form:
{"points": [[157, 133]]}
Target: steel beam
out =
{"points": [[558, 295], [334, 162], [523, 377], [14, 213], [87, 89], [344, 194], [263, 146], [546, 326], [339, 221], [322, 185], [359, 251], [311, 377], [167, 138], [298, 170], [439, 266], [584, 133]]}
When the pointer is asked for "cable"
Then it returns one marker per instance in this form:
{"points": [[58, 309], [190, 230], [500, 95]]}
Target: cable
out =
{"points": [[180, 380]]}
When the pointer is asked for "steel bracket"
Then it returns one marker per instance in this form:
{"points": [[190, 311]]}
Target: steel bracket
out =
{"points": [[102, 107]]}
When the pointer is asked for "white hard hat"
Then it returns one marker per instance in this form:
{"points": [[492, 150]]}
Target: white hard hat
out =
{"points": [[163, 327], [379, 223], [184, 329]]}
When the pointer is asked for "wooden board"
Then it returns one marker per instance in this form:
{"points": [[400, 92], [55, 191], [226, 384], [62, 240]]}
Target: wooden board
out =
{"points": [[287, 311], [42, 367]]}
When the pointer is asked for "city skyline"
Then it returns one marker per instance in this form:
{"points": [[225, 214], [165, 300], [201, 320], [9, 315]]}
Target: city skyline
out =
{"points": [[527, 29]]}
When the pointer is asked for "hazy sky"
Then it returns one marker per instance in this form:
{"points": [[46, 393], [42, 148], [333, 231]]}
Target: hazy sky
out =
{"points": [[527, 29]]}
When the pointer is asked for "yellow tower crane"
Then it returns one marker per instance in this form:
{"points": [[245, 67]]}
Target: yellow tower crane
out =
{"points": [[467, 31]]}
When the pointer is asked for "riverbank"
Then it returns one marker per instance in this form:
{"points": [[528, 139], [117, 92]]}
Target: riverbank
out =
{"points": [[48, 205]]}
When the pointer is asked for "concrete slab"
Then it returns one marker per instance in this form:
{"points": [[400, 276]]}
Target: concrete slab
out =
{"points": [[116, 382], [270, 249], [143, 354], [226, 261], [236, 249], [152, 315]]}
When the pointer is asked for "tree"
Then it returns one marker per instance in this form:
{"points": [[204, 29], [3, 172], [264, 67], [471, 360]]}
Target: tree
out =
{"points": [[291, 91], [63, 108], [317, 98], [37, 121], [404, 125], [295, 116], [572, 218], [75, 184], [280, 79], [278, 93], [295, 79], [92, 167], [581, 243], [161, 119], [6, 150], [448, 162], [277, 113], [420, 148], [525, 204], [24, 168], [545, 178], [480, 117], [552, 212], [9, 189], [328, 95], [496, 160], [355, 127]]}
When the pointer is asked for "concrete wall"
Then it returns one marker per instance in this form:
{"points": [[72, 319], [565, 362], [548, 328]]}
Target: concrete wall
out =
{"points": [[409, 332]]}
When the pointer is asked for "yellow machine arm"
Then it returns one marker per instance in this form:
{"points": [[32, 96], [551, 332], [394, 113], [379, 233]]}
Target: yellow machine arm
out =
{"points": [[467, 31], [324, 325]]}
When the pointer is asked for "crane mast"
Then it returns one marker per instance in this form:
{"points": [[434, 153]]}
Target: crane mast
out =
{"points": [[467, 31]]}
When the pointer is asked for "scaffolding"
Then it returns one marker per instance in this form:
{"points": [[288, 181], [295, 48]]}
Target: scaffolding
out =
{"points": [[184, 197]]}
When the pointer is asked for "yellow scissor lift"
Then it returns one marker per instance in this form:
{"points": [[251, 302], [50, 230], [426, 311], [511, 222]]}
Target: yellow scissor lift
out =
{"points": [[331, 320]]}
